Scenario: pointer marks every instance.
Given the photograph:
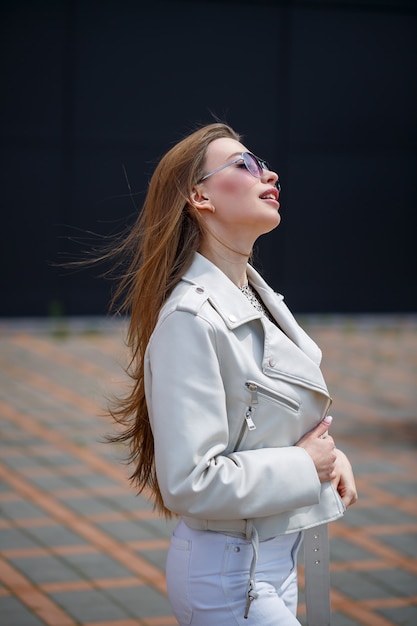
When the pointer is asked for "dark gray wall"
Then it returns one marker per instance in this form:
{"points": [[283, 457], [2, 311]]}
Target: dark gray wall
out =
{"points": [[325, 91]]}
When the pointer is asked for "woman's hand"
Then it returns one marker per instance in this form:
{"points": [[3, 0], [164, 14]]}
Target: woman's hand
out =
{"points": [[344, 483], [320, 446], [332, 464]]}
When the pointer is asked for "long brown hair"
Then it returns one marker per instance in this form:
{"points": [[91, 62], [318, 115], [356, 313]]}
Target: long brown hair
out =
{"points": [[159, 249]]}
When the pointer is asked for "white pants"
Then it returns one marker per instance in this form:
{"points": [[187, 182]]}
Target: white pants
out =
{"points": [[208, 574]]}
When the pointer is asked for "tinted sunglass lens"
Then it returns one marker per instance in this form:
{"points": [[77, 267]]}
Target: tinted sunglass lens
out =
{"points": [[252, 164]]}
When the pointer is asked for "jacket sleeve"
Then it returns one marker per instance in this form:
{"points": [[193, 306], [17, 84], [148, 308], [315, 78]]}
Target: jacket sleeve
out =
{"points": [[187, 409]]}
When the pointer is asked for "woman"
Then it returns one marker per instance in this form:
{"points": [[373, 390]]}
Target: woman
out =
{"points": [[227, 417]]}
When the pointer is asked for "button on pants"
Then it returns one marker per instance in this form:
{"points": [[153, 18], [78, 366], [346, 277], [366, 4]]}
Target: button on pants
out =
{"points": [[208, 574]]}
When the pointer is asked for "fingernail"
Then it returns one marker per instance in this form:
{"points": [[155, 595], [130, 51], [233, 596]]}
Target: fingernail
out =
{"points": [[328, 419]]}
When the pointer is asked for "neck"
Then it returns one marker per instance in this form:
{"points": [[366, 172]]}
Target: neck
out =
{"points": [[230, 261]]}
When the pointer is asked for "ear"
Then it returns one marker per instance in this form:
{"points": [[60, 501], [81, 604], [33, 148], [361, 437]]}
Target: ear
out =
{"points": [[200, 200]]}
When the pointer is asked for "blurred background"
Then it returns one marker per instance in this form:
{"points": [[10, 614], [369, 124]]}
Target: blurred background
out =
{"points": [[95, 91]]}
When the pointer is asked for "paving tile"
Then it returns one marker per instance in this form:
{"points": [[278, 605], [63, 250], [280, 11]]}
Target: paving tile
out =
{"points": [[90, 605], [358, 585], [405, 615], [80, 547], [341, 620], [15, 613], [405, 489], [396, 582], [87, 506], [45, 569], [16, 538], [127, 530], [55, 535], [50, 482], [376, 515], [90, 480], [377, 466], [406, 543], [95, 566], [20, 509], [141, 601], [343, 550], [129, 502]]}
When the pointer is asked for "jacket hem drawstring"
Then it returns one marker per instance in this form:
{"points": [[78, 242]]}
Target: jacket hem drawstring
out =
{"points": [[251, 593]]}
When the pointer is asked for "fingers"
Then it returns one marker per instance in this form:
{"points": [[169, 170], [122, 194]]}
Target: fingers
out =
{"points": [[322, 427], [350, 497], [344, 482]]}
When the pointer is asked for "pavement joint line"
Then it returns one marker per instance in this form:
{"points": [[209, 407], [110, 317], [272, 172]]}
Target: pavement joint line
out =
{"points": [[124, 622], [55, 354], [84, 585], [380, 496], [127, 515], [150, 621], [363, 539], [357, 610], [378, 603], [149, 544], [92, 460], [33, 597], [41, 382], [69, 493], [359, 566], [157, 621], [28, 522], [97, 537], [83, 548], [389, 529]]}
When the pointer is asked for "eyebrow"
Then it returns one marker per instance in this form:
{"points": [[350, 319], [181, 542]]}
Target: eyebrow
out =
{"points": [[234, 154]]}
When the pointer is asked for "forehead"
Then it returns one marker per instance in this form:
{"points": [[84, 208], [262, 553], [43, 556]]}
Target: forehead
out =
{"points": [[220, 150]]}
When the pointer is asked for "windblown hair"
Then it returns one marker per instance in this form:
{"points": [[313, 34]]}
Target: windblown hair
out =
{"points": [[159, 249]]}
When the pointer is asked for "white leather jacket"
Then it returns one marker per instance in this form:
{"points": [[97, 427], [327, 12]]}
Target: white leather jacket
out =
{"points": [[229, 394]]}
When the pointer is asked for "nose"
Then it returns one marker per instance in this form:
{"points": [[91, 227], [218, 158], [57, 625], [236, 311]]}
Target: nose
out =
{"points": [[269, 176]]}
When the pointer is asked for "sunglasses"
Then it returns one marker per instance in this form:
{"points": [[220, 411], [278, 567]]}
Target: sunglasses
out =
{"points": [[253, 164]]}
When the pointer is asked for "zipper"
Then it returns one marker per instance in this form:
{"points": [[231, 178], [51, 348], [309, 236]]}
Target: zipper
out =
{"points": [[248, 418], [256, 389], [248, 424]]}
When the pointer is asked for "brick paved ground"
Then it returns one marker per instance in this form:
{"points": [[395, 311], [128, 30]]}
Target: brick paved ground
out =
{"points": [[78, 547]]}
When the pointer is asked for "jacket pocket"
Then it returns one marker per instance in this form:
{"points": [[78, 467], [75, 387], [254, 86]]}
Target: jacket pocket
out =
{"points": [[257, 390], [262, 393]]}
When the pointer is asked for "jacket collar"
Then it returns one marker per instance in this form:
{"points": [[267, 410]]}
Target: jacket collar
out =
{"points": [[224, 295], [235, 309]]}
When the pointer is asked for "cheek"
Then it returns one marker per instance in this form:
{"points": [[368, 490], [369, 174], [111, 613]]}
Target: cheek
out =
{"points": [[235, 188]]}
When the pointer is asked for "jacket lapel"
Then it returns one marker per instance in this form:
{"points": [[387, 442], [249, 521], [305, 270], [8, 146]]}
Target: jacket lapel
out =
{"points": [[285, 319], [291, 354]]}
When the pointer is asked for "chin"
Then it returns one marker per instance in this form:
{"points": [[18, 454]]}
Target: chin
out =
{"points": [[270, 226], [274, 222]]}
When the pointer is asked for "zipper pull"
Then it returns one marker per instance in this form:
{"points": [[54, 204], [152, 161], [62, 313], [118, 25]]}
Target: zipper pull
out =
{"points": [[253, 390], [248, 417]]}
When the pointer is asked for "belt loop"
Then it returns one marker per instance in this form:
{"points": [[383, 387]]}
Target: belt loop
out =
{"points": [[248, 530]]}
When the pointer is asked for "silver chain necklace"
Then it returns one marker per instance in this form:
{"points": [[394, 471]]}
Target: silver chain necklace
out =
{"points": [[256, 301]]}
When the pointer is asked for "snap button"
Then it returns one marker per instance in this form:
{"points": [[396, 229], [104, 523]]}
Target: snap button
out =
{"points": [[232, 318], [199, 289], [237, 549], [272, 362]]}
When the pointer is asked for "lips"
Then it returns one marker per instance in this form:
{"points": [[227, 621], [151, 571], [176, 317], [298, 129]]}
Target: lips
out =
{"points": [[270, 194]]}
